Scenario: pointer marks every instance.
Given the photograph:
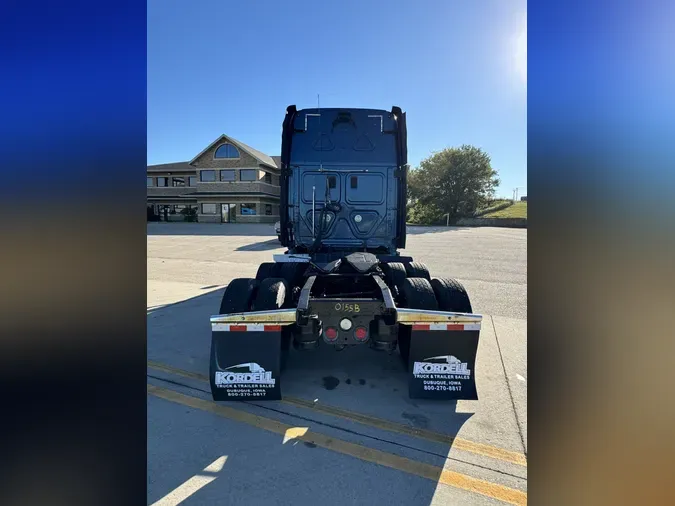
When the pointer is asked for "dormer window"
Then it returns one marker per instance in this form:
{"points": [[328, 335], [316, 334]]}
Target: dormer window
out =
{"points": [[226, 150]]}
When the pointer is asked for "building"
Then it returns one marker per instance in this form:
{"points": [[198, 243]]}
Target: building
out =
{"points": [[227, 182]]}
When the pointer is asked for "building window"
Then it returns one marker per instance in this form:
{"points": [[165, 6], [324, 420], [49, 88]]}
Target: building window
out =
{"points": [[268, 178], [209, 209], [247, 210], [162, 181], [248, 175], [207, 176], [192, 181], [151, 182], [226, 151], [268, 209], [227, 175], [178, 181]]}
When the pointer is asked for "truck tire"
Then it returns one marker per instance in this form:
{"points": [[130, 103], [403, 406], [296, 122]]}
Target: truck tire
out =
{"points": [[417, 270], [292, 272], [268, 270], [394, 275], [417, 293], [451, 295], [272, 294], [238, 296]]}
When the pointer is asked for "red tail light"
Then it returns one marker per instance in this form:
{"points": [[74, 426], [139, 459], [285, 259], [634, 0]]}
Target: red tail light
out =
{"points": [[331, 333], [360, 333]]}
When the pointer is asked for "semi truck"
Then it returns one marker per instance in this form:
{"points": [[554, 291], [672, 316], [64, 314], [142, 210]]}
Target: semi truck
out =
{"points": [[343, 280]]}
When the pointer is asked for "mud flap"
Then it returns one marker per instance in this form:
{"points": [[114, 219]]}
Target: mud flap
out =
{"points": [[245, 362], [442, 361]]}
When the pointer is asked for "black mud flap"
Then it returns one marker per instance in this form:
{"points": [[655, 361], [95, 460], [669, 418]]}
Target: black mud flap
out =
{"points": [[245, 362], [442, 362]]}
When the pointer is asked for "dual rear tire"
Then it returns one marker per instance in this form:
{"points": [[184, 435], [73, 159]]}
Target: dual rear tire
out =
{"points": [[244, 294], [394, 275], [439, 294], [417, 270]]}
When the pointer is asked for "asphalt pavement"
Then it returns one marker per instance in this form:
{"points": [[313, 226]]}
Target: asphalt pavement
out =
{"points": [[346, 431]]}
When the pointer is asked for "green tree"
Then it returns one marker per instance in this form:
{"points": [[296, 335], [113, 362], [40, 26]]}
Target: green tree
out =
{"points": [[457, 181]]}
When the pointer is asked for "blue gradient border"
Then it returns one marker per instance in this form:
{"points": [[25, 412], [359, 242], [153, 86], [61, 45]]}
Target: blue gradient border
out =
{"points": [[74, 97]]}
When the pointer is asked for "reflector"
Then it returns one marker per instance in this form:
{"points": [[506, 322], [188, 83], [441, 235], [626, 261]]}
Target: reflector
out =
{"points": [[360, 333]]}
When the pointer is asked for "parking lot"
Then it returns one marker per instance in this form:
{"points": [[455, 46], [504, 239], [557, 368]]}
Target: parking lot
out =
{"points": [[346, 431]]}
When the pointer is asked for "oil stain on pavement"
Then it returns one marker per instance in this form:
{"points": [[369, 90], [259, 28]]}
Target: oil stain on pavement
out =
{"points": [[330, 382]]}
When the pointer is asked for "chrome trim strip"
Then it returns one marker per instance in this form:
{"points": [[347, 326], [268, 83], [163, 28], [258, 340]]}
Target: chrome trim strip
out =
{"points": [[412, 316], [278, 317]]}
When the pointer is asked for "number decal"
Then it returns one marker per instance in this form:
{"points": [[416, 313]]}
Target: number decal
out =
{"points": [[348, 308]]}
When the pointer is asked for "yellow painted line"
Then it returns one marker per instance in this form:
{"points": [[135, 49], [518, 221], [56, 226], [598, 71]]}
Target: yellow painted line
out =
{"points": [[428, 471], [178, 372], [379, 423], [455, 442]]}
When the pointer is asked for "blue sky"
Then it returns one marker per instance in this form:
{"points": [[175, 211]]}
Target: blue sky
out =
{"points": [[455, 66]]}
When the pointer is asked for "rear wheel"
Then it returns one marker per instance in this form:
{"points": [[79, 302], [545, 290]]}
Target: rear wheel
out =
{"points": [[417, 293], [394, 275], [272, 294], [417, 270], [268, 270], [238, 296], [451, 295], [292, 272]]}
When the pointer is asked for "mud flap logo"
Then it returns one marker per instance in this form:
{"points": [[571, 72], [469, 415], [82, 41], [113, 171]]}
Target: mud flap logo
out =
{"points": [[249, 374], [441, 367]]}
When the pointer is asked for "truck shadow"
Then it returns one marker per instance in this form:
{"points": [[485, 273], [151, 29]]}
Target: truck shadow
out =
{"points": [[261, 246], [357, 381], [213, 229]]}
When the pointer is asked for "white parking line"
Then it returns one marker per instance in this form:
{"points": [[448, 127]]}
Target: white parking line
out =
{"points": [[191, 486]]}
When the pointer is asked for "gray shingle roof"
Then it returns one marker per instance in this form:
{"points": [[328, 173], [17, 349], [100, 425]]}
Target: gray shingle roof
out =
{"points": [[263, 158], [171, 167], [277, 161]]}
